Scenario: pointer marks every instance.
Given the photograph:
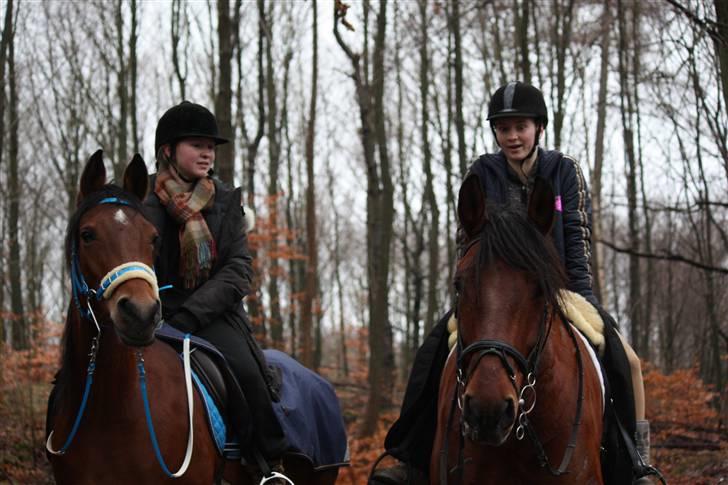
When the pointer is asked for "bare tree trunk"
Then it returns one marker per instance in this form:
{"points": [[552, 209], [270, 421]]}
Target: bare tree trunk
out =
{"points": [[668, 330], [276, 318], [521, 15], [180, 30], [380, 225], [562, 34], [7, 35], [122, 154], [225, 157], [311, 244], [412, 270], [429, 194], [133, 36], [380, 214], [21, 335], [292, 220], [596, 174], [714, 358], [648, 298], [454, 23], [254, 306], [721, 49], [447, 162], [627, 111]]}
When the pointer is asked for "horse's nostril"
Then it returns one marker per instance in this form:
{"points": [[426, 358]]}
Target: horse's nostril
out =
{"points": [[509, 411], [124, 303]]}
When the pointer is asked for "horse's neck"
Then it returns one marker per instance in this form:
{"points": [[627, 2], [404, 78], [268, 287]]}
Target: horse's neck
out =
{"points": [[115, 363], [557, 377]]}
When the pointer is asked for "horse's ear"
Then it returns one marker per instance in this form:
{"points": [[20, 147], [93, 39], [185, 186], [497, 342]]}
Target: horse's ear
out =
{"points": [[471, 206], [93, 177], [541, 205], [136, 177]]}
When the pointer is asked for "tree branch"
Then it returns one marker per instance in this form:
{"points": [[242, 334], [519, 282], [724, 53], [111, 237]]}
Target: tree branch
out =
{"points": [[666, 255], [709, 26]]}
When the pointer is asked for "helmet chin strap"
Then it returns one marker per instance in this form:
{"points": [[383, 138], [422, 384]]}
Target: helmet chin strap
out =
{"points": [[533, 150]]}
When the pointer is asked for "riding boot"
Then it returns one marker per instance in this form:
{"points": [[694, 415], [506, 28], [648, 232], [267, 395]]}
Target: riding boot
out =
{"points": [[642, 443]]}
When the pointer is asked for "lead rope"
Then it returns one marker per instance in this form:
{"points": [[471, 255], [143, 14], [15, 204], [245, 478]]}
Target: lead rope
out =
{"points": [[147, 412]]}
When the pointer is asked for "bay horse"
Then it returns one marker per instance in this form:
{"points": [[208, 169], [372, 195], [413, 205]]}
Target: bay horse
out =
{"points": [[101, 427], [518, 394]]}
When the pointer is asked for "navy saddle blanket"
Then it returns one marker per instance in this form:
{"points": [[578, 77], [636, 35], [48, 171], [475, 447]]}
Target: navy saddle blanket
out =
{"points": [[309, 412], [308, 409]]}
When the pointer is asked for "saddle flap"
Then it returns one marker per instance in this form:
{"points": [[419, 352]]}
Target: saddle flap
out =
{"points": [[209, 358]]}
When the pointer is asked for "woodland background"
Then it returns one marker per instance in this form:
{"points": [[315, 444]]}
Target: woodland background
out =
{"points": [[352, 127]]}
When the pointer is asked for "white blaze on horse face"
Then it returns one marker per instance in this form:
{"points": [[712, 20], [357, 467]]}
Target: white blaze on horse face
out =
{"points": [[120, 217]]}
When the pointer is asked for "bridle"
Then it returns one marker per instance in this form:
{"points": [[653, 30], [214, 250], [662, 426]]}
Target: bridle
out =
{"points": [[528, 367], [114, 278]]}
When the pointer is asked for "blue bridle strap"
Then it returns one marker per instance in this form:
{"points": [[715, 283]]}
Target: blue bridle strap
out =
{"points": [[79, 285]]}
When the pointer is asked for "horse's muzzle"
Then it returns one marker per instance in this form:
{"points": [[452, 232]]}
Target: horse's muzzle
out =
{"points": [[136, 321], [488, 423]]}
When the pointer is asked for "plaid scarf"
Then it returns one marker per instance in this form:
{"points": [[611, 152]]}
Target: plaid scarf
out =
{"points": [[184, 201]]}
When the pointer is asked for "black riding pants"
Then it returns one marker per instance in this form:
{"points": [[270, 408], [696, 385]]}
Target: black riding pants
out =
{"points": [[248, 364], [410, 437]]}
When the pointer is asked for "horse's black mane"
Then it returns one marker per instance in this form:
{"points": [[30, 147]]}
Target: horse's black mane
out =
{"points": [[110, 190], [510, 236]]}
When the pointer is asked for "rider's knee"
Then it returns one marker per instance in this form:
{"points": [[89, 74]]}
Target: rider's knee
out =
{"points": [[634, 361]]}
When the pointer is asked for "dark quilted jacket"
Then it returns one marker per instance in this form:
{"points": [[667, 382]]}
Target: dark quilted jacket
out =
{"points": [[572, 228], [221, 296]]}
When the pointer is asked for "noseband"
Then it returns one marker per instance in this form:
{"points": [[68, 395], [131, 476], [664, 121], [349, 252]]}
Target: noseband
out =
{"points": [[528, 366]]}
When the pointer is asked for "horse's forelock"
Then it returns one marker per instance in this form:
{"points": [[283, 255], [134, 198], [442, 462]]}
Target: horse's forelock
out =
{"points": [[91, 201], [511, 237]]}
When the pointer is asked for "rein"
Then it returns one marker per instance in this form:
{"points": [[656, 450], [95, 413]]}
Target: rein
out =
{"points": [[107, 286], [528, 366]]}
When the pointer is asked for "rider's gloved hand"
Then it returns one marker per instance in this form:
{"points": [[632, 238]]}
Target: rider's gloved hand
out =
{"points": [[184, 321]]}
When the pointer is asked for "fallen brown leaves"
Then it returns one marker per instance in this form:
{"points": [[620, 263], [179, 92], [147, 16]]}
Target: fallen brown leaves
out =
{"points": [[688, 442]]}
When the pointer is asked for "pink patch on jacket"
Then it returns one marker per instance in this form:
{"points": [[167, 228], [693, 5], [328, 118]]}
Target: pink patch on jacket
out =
{"points": [[557, 203]]}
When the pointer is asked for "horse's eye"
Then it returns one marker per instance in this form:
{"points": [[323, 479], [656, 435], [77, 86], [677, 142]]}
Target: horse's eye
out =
{"points": [[87, 235], [155, 240], [457, 283]]}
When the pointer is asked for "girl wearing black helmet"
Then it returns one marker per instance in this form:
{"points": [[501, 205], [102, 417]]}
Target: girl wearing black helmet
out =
{"points": [[518, 117], [204, 255]]}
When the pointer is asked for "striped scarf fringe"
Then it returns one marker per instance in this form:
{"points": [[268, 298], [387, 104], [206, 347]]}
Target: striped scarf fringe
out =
{"points": [[184, 202]]}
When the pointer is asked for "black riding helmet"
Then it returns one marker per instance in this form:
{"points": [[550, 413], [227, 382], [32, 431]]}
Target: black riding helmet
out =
{"points": [[186, 120], [518, 99]]}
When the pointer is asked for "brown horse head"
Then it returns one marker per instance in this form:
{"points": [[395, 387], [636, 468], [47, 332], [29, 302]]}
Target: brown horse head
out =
{"points": [[505, 279], [113, 245]]}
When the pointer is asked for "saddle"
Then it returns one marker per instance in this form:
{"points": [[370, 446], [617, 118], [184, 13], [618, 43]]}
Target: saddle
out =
{"points": [[216, 381]]}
